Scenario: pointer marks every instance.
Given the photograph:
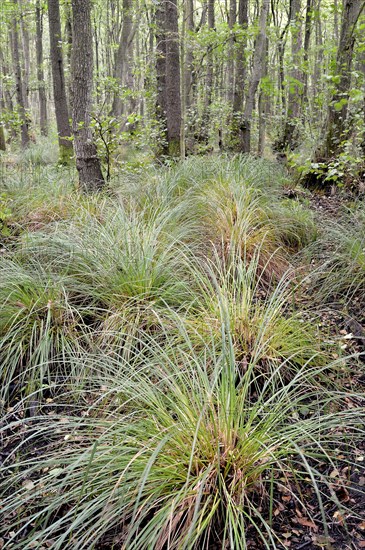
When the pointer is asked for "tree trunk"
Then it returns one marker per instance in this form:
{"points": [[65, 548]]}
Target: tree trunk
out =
{"points": [[123, 58], [59, 88], [240, 77], [173, 97], [337, 111], [307, 37], [210, 73], [25, 61], [294, 104], [189, 57], [262, 108], [2, 138], [87, 162], [161, 76], [362, 64], [232, 19], [19, 82], [2, 130], [40, 72], [257, 73]]}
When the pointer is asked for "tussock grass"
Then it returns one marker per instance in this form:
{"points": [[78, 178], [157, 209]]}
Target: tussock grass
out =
{"points": [[341, 254], [178, 388], [126, 256], [264, 327], [39, 324], [186, 461]]}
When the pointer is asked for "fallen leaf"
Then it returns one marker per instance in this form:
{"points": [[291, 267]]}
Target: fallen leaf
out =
{"points": [[362, 543], [362, 526], [342, 494], [279, 509], [322, 540], [340, 518], [307, 523], [335, 473]]}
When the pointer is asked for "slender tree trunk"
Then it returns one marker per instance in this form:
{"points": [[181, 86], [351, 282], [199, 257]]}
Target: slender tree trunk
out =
{"points": [[281, 79], [7, 97], [68, 30], [189, 57], [262, 108], [2, 130], [25, 139], [294, 105], [59, 88], [40, 72], [2, 138], [25, 58], [307, 38], [161, 75], [240, 76], [257, 73], [337, 111], [123, 58], [335, 19], [87, 162], [232, 19], [210, 74], [173, 97], [362, 62]]}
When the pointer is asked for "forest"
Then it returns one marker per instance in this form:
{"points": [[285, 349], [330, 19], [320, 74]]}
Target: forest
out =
{"points": [[182, 274]]}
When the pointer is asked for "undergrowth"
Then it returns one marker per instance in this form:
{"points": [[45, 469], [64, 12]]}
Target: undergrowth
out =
{"points": [[162, 378]]}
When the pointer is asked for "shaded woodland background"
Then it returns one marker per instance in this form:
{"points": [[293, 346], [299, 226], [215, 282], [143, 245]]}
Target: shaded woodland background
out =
{"points": [[173, 78]]}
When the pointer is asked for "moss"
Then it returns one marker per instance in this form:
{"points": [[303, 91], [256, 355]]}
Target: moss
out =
{"points": [[66, 154], [174, 148]]}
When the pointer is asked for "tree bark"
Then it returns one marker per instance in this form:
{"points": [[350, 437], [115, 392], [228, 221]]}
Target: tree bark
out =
{"points": [[161, 76], [40, 71], [210, 74], [294, 104], [337, 111], [173, 96], [87, 162], [307, 38], [189, 56], [232, 19], [25, 139], [25, 60], [123, 59], [2, 138], [240, 77], [257, 73], [59, 88], [2, 130]]}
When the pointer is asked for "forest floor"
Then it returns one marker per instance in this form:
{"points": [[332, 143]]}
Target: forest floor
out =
{"points": [[73, 335], [348, 483]]}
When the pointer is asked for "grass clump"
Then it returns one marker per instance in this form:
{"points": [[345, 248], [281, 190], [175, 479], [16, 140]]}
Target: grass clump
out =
{"points": [[180, 385], [265, 326], [341, 272], [243, 218], [193, 463], [121, 258], [38, 325]]}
